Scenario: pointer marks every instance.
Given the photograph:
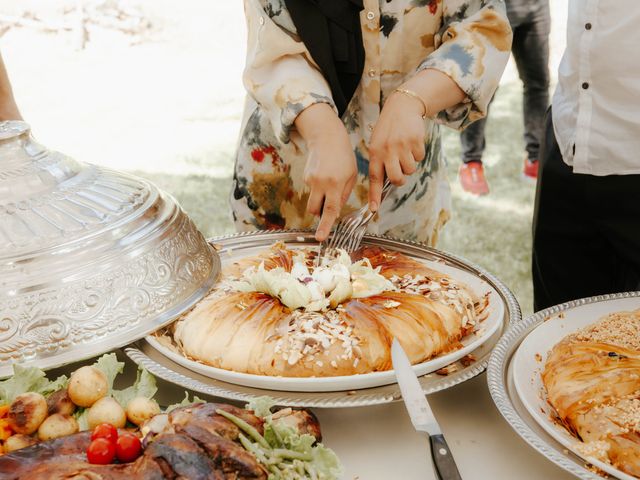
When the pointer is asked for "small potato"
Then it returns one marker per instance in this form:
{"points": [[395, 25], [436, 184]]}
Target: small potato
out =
{"points": [[27, 412], [87, 385], [59, 402], [141, 409], [106, 410], [18, 441], [56, 426]]}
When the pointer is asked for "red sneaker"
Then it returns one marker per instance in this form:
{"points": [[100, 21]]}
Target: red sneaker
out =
{"points": [[530, 171], [472, 178]]}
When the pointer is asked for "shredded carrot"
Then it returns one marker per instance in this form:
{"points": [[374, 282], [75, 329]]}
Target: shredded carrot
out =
{"points": [[4, 410]]}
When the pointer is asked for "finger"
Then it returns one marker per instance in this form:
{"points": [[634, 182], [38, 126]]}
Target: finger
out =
{"points": [[380, 131], [394, 171], [418, 151], [330, 212], [347, 191], [314, 204], [408, 164], [376, 179]]}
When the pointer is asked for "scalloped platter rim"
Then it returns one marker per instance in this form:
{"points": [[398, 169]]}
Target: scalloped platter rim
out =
{"points": [[530, 357]]}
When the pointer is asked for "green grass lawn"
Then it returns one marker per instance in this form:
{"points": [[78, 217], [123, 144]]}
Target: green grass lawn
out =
{"points": [[492, 231], [495, 231]]}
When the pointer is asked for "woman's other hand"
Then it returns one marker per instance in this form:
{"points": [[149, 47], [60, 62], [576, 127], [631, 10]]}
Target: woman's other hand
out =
{"points": [[331, 170], [397, 144]]}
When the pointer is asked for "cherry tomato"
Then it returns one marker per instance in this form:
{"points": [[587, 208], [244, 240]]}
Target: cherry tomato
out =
{"points": [[128, 447], [101, 451], [105, 430]]}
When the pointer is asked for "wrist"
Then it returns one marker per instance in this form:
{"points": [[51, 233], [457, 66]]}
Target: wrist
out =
{"points": [[437, 89], [9, 111], [319, 122], [413, 100]]}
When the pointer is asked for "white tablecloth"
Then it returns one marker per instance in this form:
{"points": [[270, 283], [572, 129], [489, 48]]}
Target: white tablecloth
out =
{"points": [[379, 443]]}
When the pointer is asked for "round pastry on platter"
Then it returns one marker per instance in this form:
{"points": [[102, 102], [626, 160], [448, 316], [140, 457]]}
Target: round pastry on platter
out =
{"points": [[284, 313], [592, 381]]}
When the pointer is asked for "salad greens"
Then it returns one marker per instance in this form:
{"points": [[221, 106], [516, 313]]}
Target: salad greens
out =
{"points": [[184, 403], [261, 406], [287, 454], [110, 366], [29, 379], [144, 386]]}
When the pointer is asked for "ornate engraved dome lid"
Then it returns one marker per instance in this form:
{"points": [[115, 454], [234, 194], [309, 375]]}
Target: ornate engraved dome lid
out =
{"points": [[90, 259]]}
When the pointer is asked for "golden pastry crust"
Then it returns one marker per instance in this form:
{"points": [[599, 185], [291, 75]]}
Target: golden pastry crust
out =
{"points": [[255, 333], [592, 380]]}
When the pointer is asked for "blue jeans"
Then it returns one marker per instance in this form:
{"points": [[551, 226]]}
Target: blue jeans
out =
{"points": [[531, 52]]}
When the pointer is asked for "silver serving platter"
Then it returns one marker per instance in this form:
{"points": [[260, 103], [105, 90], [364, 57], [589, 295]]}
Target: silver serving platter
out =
{"points": [[90, 258], [145, 355], [503, 392]]}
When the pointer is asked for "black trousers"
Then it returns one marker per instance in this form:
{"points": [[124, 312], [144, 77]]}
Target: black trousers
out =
{"points": [[531, 52], [586, 231]]}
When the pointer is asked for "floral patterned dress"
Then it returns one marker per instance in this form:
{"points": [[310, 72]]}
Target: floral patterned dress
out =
{"points": [[468, 40]]}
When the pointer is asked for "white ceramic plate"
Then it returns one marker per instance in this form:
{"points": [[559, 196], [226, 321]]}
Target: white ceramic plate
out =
{"points": [[529, 360], [355, 382]]}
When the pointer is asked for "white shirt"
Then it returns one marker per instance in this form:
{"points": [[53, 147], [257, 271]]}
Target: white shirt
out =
{"points": [[596, 107]]}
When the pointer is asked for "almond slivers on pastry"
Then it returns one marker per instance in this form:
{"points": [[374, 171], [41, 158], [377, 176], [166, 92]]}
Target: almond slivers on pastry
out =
{"points": [[279, 314]]}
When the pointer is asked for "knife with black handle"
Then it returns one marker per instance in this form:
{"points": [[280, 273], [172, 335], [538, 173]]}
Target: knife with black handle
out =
{"points": [[443, 461], [422, 416]]}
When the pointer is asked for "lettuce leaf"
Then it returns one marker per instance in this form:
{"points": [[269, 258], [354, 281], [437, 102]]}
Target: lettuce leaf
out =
{"points": [[110, 366], [29, 379], [81, 416], [324, 463], [184, 403], [261, 406], [144, 386]]}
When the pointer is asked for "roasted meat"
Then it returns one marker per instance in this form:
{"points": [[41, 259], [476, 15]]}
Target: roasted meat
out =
{"points": [[216, 435], [41, 461], [204, 415], [304, 421], [180, 457], [196, 444], [227, 456]]}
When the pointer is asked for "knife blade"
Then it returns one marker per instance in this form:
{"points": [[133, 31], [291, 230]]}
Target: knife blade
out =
{"points": [[421, 415]]}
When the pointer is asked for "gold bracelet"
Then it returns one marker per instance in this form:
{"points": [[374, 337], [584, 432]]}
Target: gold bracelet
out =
{"points": [[413, 94]]}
